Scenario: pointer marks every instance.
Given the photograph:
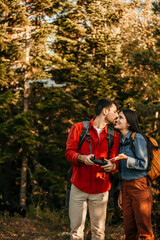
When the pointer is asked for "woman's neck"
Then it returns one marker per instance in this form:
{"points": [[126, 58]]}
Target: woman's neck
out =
{"points": [[124, 133]]}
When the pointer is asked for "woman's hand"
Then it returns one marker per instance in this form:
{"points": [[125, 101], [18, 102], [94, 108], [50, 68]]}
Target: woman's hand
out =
{"points": [[120, 199], [120, 156]]}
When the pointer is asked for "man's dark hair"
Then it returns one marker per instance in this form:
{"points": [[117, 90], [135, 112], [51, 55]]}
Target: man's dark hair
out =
{"points": [[103, 103]]}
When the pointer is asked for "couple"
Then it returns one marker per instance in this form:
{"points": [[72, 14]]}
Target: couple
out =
{"points": [[91, 182]]}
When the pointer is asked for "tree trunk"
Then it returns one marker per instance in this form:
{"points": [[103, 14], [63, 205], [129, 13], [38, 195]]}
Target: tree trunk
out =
{"points": [[24, 155], [23, 180], [156, 122], [7, 181]]}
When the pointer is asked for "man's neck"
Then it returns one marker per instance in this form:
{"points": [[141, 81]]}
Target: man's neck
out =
{"points": [[99, 122]]}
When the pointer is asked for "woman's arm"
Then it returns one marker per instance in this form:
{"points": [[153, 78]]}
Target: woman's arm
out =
{"points": [[120, 199], [140, 161]]}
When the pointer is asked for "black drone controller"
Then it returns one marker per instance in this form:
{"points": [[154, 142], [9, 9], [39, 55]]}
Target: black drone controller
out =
{"points": [[99, 161]]}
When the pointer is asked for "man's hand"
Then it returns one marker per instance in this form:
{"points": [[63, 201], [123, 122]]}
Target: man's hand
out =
{"points": [[86, 159], [109, 167]]}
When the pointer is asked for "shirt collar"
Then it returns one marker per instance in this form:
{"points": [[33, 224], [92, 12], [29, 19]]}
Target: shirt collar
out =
{"points": [[92, 125], [127, 136]]}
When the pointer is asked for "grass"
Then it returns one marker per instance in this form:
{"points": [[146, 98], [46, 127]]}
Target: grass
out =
{"points": [[54, 225]]}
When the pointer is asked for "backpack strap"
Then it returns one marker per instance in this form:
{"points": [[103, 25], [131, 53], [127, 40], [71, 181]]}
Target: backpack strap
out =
{"points": [[132, 137], [84, 134], [110, 139]]}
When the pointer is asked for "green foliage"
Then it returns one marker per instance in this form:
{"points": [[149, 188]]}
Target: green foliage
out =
{"points": [[90, 46], [49, 187], [156, 7]]}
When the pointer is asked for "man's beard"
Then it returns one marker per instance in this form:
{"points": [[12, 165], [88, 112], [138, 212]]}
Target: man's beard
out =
{"points": [[108, 121]]}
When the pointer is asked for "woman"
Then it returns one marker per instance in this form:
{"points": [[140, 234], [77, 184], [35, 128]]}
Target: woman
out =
{"points": [[135, 198]]}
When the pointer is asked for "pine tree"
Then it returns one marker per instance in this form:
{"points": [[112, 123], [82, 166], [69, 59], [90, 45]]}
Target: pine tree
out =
{"points": [[24, 56], [140, 74], [98, 49], [86, 49]]}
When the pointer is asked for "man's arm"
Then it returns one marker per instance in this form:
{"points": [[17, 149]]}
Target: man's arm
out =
{"points": [[86, 159], [72, 153]]}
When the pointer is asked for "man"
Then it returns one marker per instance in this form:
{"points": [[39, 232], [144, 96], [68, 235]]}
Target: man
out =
{"points": [[90, 183]]}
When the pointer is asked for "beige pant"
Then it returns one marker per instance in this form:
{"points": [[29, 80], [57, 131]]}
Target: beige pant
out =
{"points": [[97, 205]]}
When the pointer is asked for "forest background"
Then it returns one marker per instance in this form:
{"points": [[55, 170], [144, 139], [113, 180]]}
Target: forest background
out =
{"points": [[57, 58]]}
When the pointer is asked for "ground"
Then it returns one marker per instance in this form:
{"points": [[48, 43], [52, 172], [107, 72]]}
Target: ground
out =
{"points": [[17, 228], [55, 226]]}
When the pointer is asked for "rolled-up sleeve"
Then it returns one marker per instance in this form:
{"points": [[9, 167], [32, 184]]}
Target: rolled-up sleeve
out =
{"points": [[140, 161]]}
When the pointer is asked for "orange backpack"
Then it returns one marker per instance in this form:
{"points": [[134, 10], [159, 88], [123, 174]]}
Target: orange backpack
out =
{"points": [[154, 173]]}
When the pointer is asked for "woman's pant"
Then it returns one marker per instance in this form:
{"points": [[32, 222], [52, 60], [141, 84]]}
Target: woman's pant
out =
{"points": [[137, 206], [97, 204]]}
